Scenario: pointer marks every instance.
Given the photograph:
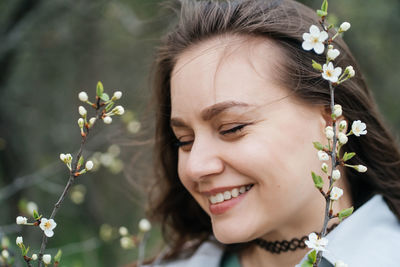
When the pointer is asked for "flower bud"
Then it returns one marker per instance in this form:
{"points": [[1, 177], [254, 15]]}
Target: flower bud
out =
{"points": [[337, 110], [83, 96], [336, 175], [5, 254], [82, 111], [144, 225], [322, 155], [117, 95], [342, 125], [68, 158], [126, 242], [21, 220], [118, 110], [62, 157], [350, 71], [46, 259], [344, 27], [89, 165], [123, 230], [332, 54], [81, 122], [342, 138], [91, 121], [107, 120], [324, 167], [361, 168], [19, 241], [329, 132], [34, 257]]}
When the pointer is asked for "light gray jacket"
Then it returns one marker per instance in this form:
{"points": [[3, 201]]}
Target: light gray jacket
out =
{"points": [[368, 238]]}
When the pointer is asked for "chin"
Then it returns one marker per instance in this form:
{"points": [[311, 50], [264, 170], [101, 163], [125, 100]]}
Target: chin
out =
{"points": [[234, 233]]}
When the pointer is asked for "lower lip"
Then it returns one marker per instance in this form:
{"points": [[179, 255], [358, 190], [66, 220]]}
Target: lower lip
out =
{"points": [[220, 208]]}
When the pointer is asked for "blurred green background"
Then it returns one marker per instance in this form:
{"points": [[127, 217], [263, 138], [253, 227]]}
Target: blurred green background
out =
{"points": [[50, 50]]}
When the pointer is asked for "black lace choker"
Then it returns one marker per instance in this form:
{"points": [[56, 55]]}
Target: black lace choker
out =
{"points": [[277, 247]]}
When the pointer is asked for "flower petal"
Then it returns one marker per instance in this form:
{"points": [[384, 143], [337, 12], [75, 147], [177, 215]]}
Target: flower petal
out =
{"points": [[319, 48], [307, 45], [306, 36], [323, 36], [314, 30], [49, 233]]}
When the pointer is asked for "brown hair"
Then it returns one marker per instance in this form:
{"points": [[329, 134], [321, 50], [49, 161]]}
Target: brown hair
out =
{"points": [[283, 21]]}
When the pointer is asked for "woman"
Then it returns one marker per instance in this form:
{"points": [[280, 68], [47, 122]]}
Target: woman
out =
{"points": [[238, 107]]}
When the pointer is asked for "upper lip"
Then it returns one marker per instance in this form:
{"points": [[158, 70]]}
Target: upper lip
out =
{"points": [[222, 189]]}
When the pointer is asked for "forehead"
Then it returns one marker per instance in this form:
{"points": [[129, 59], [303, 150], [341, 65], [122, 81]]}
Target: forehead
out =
{"points": [[227, 68]]}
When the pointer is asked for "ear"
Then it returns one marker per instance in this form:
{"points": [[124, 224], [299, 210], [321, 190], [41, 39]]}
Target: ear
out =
{"points": [[326, 115]]}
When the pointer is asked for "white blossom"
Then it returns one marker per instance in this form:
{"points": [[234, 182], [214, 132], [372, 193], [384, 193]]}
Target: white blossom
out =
{"points": [[91, 121], [314, 40], [329, 132], [82, 111], [144, 225], [322, 155], [19, 241], [342, 138], [330, 73], [21, 220], [335, 175], [83, 96], [337, 110], [46, 259], [62, 157], [340, 264], [117, 95], [107, 119], [336, 193], [332, 54], [315, 242], [123, 230], [118, 110], [34, 257], [350, 71], [342, 125], [5, 254], [47, 226], [361, 168], [89, 165], [344, 26], [359, 128]]}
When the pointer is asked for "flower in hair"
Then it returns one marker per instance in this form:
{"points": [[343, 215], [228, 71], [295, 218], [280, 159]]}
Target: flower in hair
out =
{"points": [[336, 193], [317, 243], [322, 155], [330, 73], [358, 128], [314, 40]]}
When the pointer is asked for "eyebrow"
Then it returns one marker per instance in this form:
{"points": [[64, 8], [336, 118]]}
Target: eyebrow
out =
{"points": [[210, 112]]}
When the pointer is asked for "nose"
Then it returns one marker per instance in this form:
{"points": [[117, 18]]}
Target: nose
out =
{"points": [[204, 159]]}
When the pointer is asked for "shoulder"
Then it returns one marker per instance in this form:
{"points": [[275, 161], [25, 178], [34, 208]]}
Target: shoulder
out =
{"points": [[208, 254], [369, 237]]}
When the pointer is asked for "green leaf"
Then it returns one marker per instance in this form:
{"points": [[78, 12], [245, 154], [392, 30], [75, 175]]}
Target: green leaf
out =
{"points": [[345, 213], [57, 257], [104, 97], [318, 182], [306, 264], [321, 13], [312, 256], [318, 145], [35, 215], [99, 89], [348, 156], [324, 6], [316, 65], [81, 161]]}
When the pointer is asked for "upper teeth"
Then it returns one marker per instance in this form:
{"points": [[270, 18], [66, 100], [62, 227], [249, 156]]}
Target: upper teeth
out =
{"points": [[235, 192]]}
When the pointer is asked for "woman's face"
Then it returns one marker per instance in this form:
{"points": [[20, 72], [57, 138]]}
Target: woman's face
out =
{"points": [[246, 150]]}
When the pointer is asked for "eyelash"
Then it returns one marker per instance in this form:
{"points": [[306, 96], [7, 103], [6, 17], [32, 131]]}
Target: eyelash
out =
{"points": [[229, 131]]}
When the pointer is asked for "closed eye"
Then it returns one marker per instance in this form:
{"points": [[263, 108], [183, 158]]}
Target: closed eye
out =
{"points": [[233, 130]]}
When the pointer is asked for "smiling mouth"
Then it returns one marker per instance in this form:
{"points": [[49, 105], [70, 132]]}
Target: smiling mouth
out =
{"points": [[229, 194]]}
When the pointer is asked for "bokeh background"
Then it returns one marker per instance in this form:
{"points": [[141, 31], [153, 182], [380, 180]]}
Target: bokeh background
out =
{"points": [[50, 50]]}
